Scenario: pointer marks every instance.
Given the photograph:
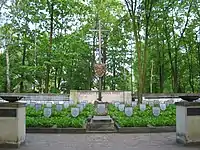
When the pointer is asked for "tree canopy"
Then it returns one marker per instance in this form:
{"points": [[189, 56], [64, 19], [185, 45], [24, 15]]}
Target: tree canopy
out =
{"points": [[149, 45]]}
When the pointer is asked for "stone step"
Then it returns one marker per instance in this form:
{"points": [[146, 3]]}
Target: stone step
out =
{"points": [[108, 131], [102, 129], [101, 123], [102, 118]]}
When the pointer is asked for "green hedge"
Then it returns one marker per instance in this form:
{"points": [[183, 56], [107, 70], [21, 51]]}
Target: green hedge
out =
{"points": [[64, 119], [144, 119]]}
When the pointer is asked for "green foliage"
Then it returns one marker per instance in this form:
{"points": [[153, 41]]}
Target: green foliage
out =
{"points": [[63, 119], [172, 45], [144, 119], [59, 119]]}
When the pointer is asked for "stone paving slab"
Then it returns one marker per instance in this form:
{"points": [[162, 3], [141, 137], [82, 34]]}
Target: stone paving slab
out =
{"points": [[151, 141]]}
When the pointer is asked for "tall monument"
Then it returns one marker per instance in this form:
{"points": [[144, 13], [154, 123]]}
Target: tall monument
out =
{"points": [[102, 121], [100, 68]]}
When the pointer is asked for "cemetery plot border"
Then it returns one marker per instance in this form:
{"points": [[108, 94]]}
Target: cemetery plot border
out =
{"points": [[160, 129], [119, 130], [56, 130], [74, 119]]}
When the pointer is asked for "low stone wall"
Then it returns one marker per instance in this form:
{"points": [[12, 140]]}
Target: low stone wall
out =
{"points": [[38, 96], [107, 96], [91, 96], [122, 96]]}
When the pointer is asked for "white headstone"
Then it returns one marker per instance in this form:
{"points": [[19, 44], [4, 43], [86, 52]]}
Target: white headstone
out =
{"points": [[162, 106], [117, 104], [38, 107], [59, 107], [121, 107], [151, 103], [142, 107], [84, 104], [134, 104], [47, 112], [128, 111], [156, 111], [49, 104], [75, 112], [101, 108], [80, 106], [66, 104]]}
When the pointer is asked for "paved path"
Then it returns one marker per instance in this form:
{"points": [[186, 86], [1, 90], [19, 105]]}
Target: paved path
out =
{"points": [[163, 141]]}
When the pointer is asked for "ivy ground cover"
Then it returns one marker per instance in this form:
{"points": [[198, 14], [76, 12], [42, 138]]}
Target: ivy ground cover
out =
{"points": [[144, 118], [64, 119], [58, 118]]}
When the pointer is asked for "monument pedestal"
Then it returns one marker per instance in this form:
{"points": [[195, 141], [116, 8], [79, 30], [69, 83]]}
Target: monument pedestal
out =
{"points": [[101, 123], [188, 122], [12, 124]]}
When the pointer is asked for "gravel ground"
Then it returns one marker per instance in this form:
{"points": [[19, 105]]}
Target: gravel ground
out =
{"points": [[162, 141]]}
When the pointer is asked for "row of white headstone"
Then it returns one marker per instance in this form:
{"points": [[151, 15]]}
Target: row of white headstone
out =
{"points": [[129, 110], [75, 111]]}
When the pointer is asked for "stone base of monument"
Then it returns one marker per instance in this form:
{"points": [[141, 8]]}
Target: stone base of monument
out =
{"points": [[12, 125], [101, 123], [187, 123]]}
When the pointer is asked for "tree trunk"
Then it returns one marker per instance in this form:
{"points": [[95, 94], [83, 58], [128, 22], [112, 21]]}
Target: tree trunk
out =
{"points": [[23, 64], [177, 46], [55, 78], [136, 27], [59, 78], [170, 56], [151, 81], [71, 75], [104, 61], [189, 62], [7, 71], [198, 47], [114, 73], [161, 69], [160, 62], [148, 8], [131, 9], [92, 61], [51, 8]]}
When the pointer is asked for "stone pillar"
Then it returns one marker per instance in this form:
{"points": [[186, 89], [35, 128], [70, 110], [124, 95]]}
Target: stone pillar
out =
{"points": [[74, 96], [12, 124], [128, 99], [188, 122]]}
